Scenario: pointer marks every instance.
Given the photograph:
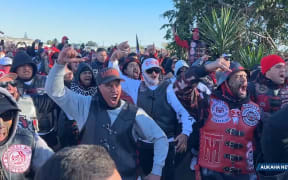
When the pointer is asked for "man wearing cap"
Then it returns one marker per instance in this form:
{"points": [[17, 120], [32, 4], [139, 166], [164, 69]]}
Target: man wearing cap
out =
{"points": [[22, 151], [106, 120], [131, 68], [270, 90], [159, 101], [229, 119], [5, 64], [64, 42]]}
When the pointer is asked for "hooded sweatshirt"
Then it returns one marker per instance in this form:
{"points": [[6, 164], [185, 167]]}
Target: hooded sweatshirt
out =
{"points": [[31, 151], [76, 84], [36, 82]]}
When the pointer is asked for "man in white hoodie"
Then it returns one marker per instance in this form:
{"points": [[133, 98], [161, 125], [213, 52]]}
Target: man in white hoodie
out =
{"points": [[160, 102], [22, 152]]}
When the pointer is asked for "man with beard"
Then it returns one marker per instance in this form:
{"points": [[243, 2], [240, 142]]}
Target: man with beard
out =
{"points": [[106, 120], [159, 101], [22, 151], [270, 89], [131, 68], [227, 124]]}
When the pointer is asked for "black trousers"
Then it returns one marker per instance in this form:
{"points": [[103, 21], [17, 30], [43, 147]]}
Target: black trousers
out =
{"points": [[146, 154]]}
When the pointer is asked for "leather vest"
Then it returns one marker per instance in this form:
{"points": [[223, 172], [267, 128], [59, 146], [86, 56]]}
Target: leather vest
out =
{"points": [[270, 100], [226, 138], [27, 116], [117, 139], [154, 103], [17, 158]]}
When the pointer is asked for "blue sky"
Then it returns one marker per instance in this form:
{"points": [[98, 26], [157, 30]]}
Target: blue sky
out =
{"points": [[103, 21]]}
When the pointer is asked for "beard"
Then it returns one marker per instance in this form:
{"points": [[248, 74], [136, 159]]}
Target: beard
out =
{"points": [[239, 92], [149, 81]]}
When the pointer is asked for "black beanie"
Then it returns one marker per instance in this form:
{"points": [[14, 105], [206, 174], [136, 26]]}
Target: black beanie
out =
{"points": [[21, 58]]}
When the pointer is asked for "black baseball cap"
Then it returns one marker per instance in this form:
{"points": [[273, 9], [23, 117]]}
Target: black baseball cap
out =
{"points": [[107, 75], [7, 104]]}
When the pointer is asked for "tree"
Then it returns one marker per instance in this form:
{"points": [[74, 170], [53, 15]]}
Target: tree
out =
{"points": [[266, 20], [223, 32], [91, 43]]}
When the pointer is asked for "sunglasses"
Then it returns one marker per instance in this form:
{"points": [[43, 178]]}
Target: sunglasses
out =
{"points": [[5, 84], [8, 115], [156, 70]]}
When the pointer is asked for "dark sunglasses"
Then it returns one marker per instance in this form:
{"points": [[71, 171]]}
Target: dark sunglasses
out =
{"points": [[5, 84], [8, 115], [156, 70]]}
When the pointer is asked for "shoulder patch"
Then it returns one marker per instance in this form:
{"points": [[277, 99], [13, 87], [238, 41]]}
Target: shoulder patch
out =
{"points": [[220, 111], [250, 114], [17, 158]]}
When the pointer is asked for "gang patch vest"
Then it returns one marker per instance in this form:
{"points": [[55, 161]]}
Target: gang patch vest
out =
{"points": [[226, 138]]}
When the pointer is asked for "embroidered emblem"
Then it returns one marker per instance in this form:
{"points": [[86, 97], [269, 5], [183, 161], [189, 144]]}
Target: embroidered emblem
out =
{"points": [[250, 114], [192, 51], [249, 156], [17, 158], [193, 44], [235, 114], [212, 148], [220, 112]]}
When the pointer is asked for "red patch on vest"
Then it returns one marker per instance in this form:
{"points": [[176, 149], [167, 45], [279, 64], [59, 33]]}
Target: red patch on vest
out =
{"points": [[17, 158]]}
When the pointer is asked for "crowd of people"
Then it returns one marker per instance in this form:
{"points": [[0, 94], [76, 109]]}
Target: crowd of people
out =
{"points": [[110, 114]]}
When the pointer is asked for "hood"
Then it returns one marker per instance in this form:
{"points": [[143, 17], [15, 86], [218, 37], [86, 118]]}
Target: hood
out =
{"points": [[179, 64], [83, 67], [12, 131], [21, 58]]}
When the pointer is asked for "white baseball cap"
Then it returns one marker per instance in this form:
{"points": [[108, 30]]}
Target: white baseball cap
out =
{"points": [[6, 61], [150, 63]]}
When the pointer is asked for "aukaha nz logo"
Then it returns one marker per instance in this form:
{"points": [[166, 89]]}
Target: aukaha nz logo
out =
{"points": [[272, 167]]}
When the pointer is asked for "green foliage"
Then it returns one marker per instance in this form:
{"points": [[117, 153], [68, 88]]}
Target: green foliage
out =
{"points": [[266, 23], [222, 32], [251, 56]]}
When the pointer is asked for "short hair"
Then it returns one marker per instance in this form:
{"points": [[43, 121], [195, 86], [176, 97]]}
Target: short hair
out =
{"points": [[78, 162], [100, 50]]}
